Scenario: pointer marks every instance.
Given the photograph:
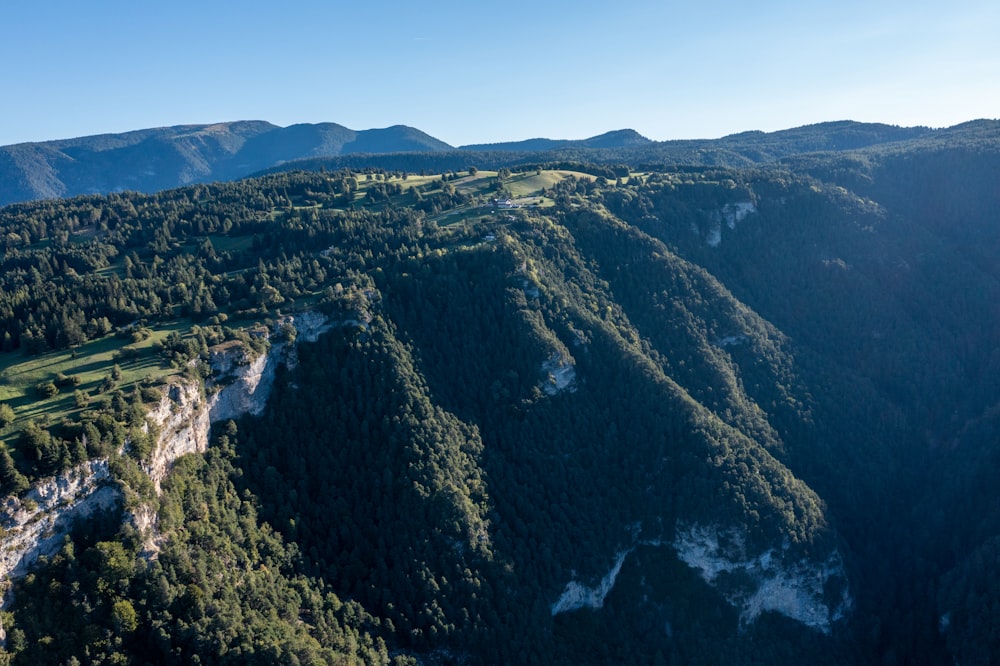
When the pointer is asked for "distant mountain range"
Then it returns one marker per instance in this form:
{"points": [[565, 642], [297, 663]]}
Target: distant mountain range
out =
{"points": [[151, 160], [156, 159], [617, 139]]}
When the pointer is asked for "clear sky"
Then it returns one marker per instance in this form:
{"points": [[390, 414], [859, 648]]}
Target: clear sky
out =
{"points": [[471, 72]]}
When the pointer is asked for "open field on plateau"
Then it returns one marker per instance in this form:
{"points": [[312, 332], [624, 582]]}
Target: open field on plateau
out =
{"points": [[85, 368]]}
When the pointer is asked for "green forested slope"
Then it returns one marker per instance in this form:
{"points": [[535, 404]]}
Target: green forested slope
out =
{"points": [[795, 368]]}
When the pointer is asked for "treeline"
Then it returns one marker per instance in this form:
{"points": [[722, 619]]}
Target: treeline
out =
{"points": [[85, 267]]}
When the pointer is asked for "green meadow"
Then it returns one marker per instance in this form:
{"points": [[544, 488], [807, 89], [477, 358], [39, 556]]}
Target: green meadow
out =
{"points": [[90, 364]]}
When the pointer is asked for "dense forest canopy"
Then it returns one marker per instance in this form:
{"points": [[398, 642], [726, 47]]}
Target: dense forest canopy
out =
{"points": [[563, 413]]}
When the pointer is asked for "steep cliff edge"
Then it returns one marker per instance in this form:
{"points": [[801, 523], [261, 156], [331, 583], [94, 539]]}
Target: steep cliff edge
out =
{"points": [[36, 524], [240, 383], [181, 420], [811, 591]]}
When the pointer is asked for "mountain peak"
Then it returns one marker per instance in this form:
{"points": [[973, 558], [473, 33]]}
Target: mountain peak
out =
{"points": [[616, 139], [623, 138], [160, 158]]}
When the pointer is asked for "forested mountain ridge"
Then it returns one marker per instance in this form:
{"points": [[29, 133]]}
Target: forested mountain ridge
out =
{"points": [[156, 159], [615, 139], [683, 415], [614, 150]]}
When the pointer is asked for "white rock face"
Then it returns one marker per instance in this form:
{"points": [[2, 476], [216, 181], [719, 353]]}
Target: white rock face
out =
{"points": [[766, 582], [560, 374], [311, 325], [735, 213], [577, 595], [147, 522], [714, 235], [35, 525], [530, 289], [248, 382], [730, 341], [183, 422], [730, 215], [185, 417]]}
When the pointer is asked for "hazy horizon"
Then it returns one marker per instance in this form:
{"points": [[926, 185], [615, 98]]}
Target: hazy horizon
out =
{"points": [[476, 74], [491, 142]]}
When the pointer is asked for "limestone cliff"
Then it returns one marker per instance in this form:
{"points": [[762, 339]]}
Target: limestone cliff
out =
{"points": [[577, 595], [811, 591], [36, 524], [560, 373], [181, 419], [240, 382]]}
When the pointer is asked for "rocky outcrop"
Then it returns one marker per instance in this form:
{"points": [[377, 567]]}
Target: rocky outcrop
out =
{"points": [[812, 592], [576, 595], [35, 525], [241, 380], [241, 383], [181, 418], [311, 325], [730, 215], [560, 374]]}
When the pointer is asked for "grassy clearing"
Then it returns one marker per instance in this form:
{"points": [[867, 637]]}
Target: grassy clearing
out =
{"points": [[91, 363], [531, 183], [525, 188], [521, 185], [459, 215], [470, 184], [414, 181]]}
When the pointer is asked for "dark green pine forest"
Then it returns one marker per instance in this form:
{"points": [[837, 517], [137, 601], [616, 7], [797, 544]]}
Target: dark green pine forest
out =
{"points": [[645, 414]]}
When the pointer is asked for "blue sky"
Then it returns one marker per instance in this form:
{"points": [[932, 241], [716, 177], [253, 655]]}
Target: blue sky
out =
{"points": [[480, 72]]}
